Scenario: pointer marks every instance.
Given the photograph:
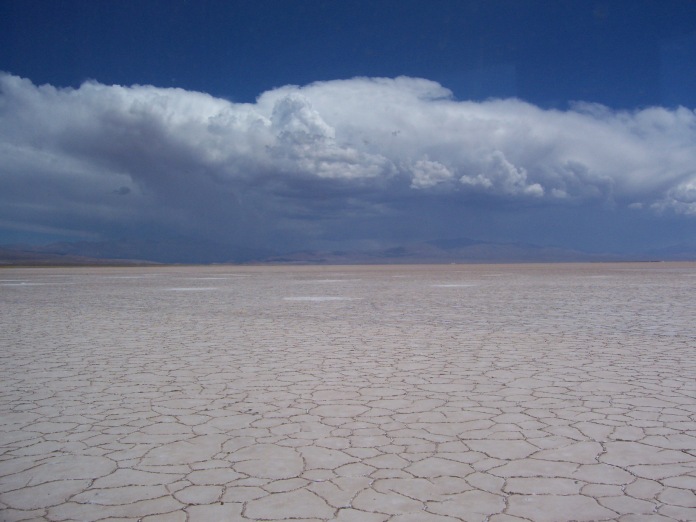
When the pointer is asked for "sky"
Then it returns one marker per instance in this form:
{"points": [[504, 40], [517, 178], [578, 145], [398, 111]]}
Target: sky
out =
{"points": [[353, 124]]}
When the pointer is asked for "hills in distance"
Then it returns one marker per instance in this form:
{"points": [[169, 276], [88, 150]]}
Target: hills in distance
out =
{"points": [[194, 251]]}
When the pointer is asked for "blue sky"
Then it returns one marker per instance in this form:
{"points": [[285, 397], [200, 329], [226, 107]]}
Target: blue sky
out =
{"points": [[355, 124]]}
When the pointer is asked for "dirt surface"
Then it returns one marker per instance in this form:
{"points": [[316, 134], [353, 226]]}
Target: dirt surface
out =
{"points": [[423, 393]]}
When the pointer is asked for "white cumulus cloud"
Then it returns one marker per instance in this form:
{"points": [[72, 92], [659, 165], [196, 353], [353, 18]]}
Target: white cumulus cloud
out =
{"points": [[101, 154]]}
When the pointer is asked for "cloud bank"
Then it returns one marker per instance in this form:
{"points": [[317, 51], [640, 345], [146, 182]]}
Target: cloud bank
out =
{"points": [[102, 157]]}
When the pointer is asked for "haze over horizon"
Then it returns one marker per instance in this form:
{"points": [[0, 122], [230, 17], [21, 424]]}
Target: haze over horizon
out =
{"points": [[356, 125]]}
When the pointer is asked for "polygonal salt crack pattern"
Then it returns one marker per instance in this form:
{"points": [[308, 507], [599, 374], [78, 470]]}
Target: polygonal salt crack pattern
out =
{"points": [[399, 394]]}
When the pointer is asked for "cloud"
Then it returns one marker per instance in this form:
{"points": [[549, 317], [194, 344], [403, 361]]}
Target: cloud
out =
{"points": [[681, 198], [503, 177], [102, 157]]}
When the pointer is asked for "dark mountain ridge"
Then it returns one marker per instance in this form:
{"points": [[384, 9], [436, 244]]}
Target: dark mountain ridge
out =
{"points": [[196, 251]]}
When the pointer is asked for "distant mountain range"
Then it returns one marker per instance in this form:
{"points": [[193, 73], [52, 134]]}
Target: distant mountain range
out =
{"points": [[187, 251], [164, 251], [25, 255], [461, 250]]}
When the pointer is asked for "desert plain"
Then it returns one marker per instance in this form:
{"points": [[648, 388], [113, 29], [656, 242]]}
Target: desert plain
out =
{"points": [[370, 394]]}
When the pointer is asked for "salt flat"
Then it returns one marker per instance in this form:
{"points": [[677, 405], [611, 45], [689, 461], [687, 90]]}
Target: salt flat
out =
{"points": [[411, 393]]}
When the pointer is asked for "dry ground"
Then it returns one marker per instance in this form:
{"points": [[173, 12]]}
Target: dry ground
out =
{"points": [[425, 393]]}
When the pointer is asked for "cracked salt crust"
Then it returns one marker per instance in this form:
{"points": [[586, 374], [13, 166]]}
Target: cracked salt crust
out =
{"points": [[556, 392]]}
